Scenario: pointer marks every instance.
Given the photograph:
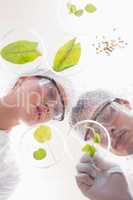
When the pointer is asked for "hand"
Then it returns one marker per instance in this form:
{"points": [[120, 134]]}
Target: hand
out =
{"points": [[101, 178]]}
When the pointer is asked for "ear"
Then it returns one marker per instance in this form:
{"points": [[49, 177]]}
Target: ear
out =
{"points": [[123, 102]]}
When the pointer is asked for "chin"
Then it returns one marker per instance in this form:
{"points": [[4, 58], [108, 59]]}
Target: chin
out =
{"points": [[9, 172]]}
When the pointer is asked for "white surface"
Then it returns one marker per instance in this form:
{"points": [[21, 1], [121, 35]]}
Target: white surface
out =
{"points": [[97, 71]]}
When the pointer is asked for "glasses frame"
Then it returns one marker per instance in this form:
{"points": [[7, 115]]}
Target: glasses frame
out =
{"points": [[102, 107], [59, 93], [99, 110]]}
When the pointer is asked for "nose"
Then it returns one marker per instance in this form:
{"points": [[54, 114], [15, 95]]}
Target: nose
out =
{"points": [[111, 130]]}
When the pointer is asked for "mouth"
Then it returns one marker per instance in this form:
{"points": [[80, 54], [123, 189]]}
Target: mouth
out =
{"points": [[40, 110]]}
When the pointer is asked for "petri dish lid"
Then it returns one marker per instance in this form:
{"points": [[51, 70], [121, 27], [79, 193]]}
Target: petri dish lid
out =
{"points": [[23, 33], [54, 148], [76, 138]]}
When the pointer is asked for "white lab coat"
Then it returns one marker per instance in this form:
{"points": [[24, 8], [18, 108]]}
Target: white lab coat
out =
{"points": [[9, 174]]}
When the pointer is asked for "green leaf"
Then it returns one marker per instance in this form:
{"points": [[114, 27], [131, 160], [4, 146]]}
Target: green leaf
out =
{"points": [[20, 52], [40, 154], [72, 8], [79, 13], [43, 134], [89, 149], [67, 56], [90, 8], [97, 138], [96, 135]]}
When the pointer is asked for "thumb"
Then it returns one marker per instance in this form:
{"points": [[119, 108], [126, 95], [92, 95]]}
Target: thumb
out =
{"points": [[104, 159]]}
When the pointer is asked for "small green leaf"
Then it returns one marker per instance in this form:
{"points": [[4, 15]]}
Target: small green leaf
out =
{"points": [[96, 135], [90, 8], [40, 154], [67, 56], [97, 138], [89, 149], [79, 13], [20, 52], [72, 8], [43, 134]]}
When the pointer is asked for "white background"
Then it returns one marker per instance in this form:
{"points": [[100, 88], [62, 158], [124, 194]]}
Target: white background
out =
{"points": [[50, 20]]}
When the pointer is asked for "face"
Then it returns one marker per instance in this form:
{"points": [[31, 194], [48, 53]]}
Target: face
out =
{"points": [[118, 120], [38, 100]]}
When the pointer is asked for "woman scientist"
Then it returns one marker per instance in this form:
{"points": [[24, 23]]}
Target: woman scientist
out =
{"points": [[103, 177], [33, 99]]}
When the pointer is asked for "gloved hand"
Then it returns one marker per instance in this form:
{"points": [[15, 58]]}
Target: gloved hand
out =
{"points": [[101, 178]]}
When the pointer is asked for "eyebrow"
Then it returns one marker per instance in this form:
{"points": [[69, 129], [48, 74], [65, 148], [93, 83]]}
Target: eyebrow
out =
{"points": [[59, 92]]}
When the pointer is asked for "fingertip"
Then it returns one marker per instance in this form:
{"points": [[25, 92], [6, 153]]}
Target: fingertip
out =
{"points": [[86, 158]]}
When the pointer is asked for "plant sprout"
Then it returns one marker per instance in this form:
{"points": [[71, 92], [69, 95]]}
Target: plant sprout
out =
{"points": [[43, 134], [39, 154], [88, 148]]}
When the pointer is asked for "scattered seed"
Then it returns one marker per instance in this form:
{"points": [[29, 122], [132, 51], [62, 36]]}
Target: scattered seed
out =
{"points": [[105, 45]]}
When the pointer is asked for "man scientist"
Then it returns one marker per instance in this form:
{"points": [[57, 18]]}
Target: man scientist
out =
{"points": [[103, 177]]}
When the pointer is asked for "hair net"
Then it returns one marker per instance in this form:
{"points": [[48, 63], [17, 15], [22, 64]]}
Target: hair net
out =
{"points": [[88, 103]]}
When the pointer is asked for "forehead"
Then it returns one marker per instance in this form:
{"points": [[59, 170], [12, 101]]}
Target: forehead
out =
{"points": [[35, 82], [36, 87]]}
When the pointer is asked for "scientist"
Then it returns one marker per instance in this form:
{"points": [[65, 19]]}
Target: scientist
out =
{"points": [[33, 99], [103, 177]]}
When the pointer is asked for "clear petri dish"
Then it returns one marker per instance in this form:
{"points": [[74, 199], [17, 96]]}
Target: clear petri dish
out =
{"points": [[72, 24], [54, 148], [23, 33], [83, 133], [85, 25]]}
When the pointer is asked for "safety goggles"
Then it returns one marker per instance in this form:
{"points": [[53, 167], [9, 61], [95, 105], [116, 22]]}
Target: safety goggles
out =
{"points": [[105, 113], [51, 94]]}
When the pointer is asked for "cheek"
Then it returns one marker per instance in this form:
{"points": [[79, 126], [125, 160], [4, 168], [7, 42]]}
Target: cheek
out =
{"points": [[27, 112], [31, 99]]}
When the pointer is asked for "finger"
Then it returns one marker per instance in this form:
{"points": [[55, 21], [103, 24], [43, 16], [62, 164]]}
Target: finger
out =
{"points": [[84, 183], [84, 178], [103, 159], [88, 169], [86, 158]]}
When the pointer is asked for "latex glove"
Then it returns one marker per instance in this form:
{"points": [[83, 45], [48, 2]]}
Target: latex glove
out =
{"points": [[101, 178]]}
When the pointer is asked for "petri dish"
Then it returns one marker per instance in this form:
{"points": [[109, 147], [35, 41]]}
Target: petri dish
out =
{"points": [[85, 25], [81, 26], [23, 33], [83, 133], [54, 148]]}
